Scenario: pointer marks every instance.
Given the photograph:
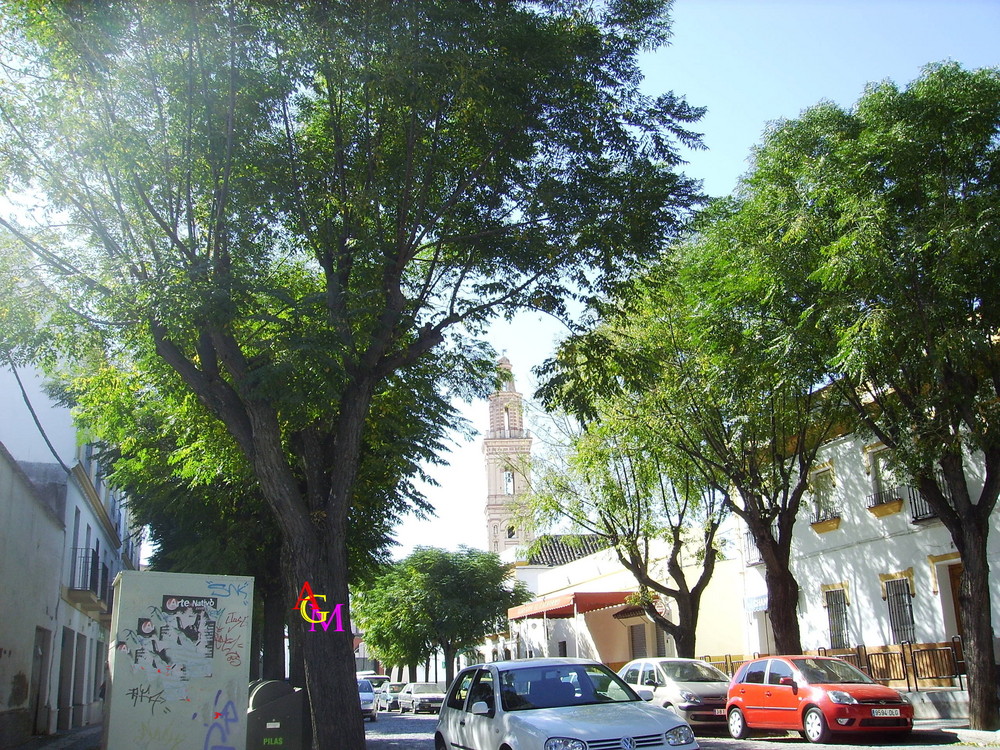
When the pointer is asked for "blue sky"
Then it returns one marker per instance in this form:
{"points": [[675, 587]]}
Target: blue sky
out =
{"points": [[750, 62]]}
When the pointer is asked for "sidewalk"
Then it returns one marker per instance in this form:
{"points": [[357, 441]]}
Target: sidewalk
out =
{"points": [[960, 729], [86, 738]]}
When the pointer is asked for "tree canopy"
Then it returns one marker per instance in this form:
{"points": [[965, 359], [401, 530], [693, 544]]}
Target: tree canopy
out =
{"points": [[294, 204], [619, 478], [436, 599], [891, 209]]}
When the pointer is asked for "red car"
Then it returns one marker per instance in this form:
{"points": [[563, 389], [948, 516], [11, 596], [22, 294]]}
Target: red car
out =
{"points": [[819, 696]]}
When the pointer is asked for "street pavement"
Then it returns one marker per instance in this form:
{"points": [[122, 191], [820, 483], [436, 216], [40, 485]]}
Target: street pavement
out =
{"points": [[393, 731]]}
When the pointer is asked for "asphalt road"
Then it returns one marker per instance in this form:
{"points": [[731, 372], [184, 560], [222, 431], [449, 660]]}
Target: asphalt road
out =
{"points": [[393, 731], [408, 732]]}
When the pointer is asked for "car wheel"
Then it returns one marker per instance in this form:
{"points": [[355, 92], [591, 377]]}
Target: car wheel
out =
{"points": [[814, 726], [737, 724], [374, 717], [439, 743]]}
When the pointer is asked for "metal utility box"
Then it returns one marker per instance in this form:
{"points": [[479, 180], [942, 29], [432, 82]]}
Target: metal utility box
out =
{"points": [[277, 716], [179, 661]]}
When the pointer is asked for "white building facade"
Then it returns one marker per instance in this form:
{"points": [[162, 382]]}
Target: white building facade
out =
{"points": [[875, 566], [64, 536]]}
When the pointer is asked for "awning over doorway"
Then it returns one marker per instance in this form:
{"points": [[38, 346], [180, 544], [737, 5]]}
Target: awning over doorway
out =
{"points": [[566, 605]]}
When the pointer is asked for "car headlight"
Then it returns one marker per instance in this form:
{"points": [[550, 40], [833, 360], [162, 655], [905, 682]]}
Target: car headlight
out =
{"points": [[689, 697], [681, 735], [839, 696], [564, 743]]}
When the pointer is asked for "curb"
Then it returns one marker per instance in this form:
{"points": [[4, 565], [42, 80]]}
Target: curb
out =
{"points": [[974, 736]]}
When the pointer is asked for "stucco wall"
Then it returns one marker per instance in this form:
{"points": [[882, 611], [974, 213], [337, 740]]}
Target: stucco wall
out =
{"points": [[31, 541]]}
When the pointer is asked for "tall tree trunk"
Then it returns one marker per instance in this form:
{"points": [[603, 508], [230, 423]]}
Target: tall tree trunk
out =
{"points": [[449, 663], [783, 608], [273, 640], [411, 672], [328, 654], [975, 611]]}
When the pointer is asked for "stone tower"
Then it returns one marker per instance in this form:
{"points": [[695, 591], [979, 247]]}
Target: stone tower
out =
{"points": [[507, 448]]}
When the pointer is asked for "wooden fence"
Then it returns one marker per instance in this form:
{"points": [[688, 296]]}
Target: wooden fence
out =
{"points": [[933, 664]]}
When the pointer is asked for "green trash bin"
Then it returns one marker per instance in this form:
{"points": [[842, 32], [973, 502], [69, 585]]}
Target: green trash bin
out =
{"points": [[277, 716]]}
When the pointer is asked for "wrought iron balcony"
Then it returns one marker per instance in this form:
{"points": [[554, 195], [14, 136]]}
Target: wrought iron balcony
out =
{"points": [[89, 584]]}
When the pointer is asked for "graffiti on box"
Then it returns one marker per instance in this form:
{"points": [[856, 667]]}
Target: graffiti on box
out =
{"points": [[175, 642]]}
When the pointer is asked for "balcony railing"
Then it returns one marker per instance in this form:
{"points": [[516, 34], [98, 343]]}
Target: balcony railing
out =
{"points": [[507, 434], [887, 496], [920, 509], [753, 556], [825, 511], [90, 581]]}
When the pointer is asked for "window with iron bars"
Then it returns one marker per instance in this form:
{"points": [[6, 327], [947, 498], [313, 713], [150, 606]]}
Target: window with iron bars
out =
{"points": [[836, 612], [821, 486], [897, 597]]}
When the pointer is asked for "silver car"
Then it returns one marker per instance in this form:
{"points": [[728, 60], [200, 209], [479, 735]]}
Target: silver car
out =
{"points": [[366, 694], [420, 696], [693, 689]]}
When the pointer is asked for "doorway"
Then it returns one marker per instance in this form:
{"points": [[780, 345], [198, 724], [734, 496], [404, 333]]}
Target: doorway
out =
{"points": [[39, 681], [955, 579]]}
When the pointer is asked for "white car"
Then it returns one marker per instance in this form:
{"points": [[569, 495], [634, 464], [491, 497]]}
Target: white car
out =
{"points": [[553, 704], [366, 694], [420, 696]]}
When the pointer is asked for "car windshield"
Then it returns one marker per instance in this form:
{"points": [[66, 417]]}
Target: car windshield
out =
{"points": [[552, 686], [427, 687], [692, 671], [395, 687], [827, 671], [364, 686]]}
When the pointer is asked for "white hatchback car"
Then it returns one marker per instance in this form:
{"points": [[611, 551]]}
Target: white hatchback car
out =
{"points": [[553, 704]]}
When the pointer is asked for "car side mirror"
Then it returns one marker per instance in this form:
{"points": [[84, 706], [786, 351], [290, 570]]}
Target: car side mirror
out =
{"points": [[651, 682], [787, 681], [645, 693], [479, 708]]}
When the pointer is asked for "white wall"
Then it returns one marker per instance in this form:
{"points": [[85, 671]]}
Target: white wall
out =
{"points": [[865, 546], [31, 539]]}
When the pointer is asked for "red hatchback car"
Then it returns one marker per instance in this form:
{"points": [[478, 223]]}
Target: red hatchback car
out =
{"points": [[818, 696]]}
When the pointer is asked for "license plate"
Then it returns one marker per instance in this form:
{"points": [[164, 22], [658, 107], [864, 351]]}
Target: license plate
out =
{"points": [[885, 712], [719, 712]]}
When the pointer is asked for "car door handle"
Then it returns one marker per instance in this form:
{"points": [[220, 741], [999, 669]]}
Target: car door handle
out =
{"points": [[462, 723], [768, 693]]}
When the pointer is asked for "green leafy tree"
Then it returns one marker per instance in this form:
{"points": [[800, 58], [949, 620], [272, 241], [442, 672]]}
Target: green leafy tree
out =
{"points": [[293, 204], [693, 346], [895, 202], [439, 600], [391, 620], [620, 480]]}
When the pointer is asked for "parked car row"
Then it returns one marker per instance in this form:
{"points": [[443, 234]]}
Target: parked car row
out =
{"points": [[409, 696], [578, 704]]}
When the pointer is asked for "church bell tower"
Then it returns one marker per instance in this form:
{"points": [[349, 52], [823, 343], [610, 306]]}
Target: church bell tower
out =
{"points": [[507, 448]]}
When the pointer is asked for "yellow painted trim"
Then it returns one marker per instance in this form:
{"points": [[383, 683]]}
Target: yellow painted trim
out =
{"points": [[866, 454], [845, 586], [907, 574], [821, 527], [886, 509], [933, 561]]}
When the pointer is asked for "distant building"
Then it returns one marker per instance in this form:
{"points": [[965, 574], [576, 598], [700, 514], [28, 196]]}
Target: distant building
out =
{"points": [[507, 448], [64, 535]]}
